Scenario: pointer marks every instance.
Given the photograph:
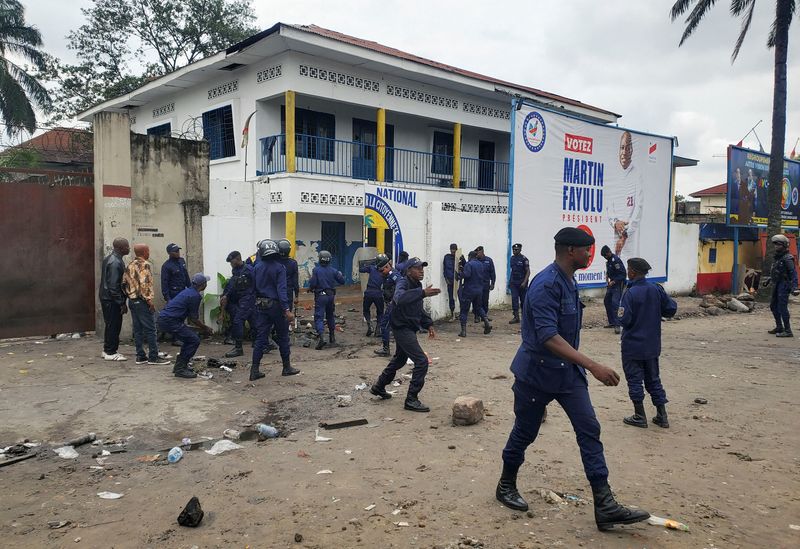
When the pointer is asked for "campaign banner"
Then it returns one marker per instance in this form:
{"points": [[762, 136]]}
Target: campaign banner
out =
{"points": [[748, 182], [611, 182]]}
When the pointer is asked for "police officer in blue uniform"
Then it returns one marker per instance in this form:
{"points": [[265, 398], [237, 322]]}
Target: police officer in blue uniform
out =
{"points": [[640, 311], [373, 295], [185, 305], [490, 277], [548, 366], [615, 283], [408, 318], [518, 281], [473, 283], [239, 299], [272, 308], [323, 282], [402, 263], [292, 270], [449, 273], [783, 277], [391, 276], [174, 275]]}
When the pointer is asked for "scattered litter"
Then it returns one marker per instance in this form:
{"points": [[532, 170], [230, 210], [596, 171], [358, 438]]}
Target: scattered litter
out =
{"points": [[186, 441], [56, 524], [401, 524], [66, 452], [397, 512], [392, 392], [667, 523], [24, 372], [344, 400], [70, 357], [38, 343], [101, 461], [318, 438], [348, 452], [700, 401], [343, 424], [225, 368], [325, 472], [361, 386], [388, 419], [241, 412], [551, 497], [436, 358], [205, 375], [175, 455], [744, 457], [794, 527], [222, 446], [29, 362], [370, 507], [201, 357], [192, 514], [232, 434], [148, 458], [96, 467], [266, 431], [109, 495], [397, 383]]}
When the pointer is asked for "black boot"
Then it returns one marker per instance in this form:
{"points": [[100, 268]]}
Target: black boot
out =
{"points": [[412, 403], [369, 329], [463, 331], [638, 419], [775, 331], [181, 369], [255, 373], [380, 391], [236, 351], [383, 351], [229, 340], [320, 343], [607, 512], [787, 332], [507, 492], [287, 369], [487, 328], [661, 416], [332, 340], [514, 320]]}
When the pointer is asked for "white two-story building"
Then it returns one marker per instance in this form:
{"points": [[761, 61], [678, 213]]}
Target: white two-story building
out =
{"points": [[351, 145]]}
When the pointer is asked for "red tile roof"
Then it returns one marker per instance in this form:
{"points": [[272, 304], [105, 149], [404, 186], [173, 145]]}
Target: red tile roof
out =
{"points": [[61, 145], [716, 190]]}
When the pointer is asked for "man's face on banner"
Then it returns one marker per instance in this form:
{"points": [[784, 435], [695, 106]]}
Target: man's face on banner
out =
{"points": [[625, 150]]}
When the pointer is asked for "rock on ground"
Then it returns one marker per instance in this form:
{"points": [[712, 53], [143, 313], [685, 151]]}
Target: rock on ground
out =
{"points": [[467, 410]]}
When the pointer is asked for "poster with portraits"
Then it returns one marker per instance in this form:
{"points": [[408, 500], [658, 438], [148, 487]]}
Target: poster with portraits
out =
{"points": [[611, 182]]}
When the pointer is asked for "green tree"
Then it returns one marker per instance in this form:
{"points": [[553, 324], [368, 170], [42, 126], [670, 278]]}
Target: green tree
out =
{"points": [[125, 43], [20, 91], [778, 40]]}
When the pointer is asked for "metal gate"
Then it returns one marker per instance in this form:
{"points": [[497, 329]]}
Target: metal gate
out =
{"points": [[47, 266]]}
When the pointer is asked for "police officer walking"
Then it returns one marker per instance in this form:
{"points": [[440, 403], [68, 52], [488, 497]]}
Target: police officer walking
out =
{"points": [[518, 281], [239, 298], [408, 318], [449, 273], [390, 278], [490, 277], [272, 308], [323, 282], [472, 286], [548, 366], [373, 295], [615, 283], [783, 277], [292, 270]]}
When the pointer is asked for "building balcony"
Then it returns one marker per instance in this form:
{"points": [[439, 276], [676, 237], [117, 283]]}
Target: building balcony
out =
{"points": [[354, 160]]}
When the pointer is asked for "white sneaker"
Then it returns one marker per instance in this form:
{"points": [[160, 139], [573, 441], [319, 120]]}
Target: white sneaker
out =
{"points": [[165, 356], [115, 357]]}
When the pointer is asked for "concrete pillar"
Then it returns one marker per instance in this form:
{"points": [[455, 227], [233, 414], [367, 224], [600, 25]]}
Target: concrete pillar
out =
{"points": [[381, 156], [380, 240], [291, 232], [290, 132], [456, 155]]}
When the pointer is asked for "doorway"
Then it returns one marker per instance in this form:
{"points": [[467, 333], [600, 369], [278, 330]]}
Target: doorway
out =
{"points": [[332, 240], [485, 165], [365, 141]]}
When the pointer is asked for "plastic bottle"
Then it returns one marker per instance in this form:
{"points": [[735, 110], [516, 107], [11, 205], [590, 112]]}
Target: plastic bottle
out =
{"points": [[267, 431], [667, 523], [175, 455]]}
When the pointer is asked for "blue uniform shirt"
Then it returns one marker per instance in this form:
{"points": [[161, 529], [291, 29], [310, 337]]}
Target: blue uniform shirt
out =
{"points": [[783, 274], [408, 311], [325, 277], [174, 277], [490, 277], [401, 267], [270, 279], [474, 277], [292, 276], [640, 311], [389, 285], [519, 266], [615, 269], [449, 268], [184, 305], [374, 282], [552, 307], [241, 284]]}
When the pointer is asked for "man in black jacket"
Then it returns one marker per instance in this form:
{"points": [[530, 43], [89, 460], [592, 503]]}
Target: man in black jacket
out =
{"points": [[112, 298], [407, 318]]}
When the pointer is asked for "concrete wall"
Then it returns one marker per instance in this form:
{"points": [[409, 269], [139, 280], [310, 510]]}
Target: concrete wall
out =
{"points": [[683, 242], [713, 204]]}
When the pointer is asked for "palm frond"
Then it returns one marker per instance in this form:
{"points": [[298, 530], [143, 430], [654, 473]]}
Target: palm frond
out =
{"points": [[773, 27], [694, 18], [20, 33], [28, 53], [35, 91], [748, 5], [15, 109]]}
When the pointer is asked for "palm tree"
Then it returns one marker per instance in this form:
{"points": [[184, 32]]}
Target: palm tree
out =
{"points": [[19, 90], [778, 40]]}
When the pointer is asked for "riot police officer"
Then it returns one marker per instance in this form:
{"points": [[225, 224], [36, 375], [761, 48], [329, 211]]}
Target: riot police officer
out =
{"points": [[239, 298], [292, 271], [324, 280], [449, 273], [472, 286], [518, 281], [272, 308], [490, 277], [373, 294], [390, 278], [783, 277], [548, 366], [615, 282]]}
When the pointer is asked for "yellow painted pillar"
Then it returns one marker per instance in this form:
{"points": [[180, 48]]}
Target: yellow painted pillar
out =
{"points": [[291, 231], [456, 155], [380, 240], [290, 134], [381, 156]]}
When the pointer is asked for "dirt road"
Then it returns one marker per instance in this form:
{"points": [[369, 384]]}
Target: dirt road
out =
{"points": [[728, 469]]}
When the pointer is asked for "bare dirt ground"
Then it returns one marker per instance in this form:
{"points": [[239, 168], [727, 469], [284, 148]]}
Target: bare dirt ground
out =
{"points": [[728, 469]]}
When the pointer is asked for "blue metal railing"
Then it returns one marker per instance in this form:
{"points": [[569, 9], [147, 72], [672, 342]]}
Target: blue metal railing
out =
{"points": [[325, 156]]}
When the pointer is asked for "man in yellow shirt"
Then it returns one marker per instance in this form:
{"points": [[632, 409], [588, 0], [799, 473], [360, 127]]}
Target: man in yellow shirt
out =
{"points": [[138, 283]]}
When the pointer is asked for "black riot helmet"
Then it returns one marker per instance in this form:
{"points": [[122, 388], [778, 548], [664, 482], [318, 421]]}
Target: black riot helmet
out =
{"points": [[285, 247], [325, 257], [268, 248], [381, 260]]}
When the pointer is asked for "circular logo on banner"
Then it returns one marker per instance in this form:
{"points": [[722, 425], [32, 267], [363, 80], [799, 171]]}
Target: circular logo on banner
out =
{"points": [[534, 131], [588, 231], [795, 196], [786, 194]]}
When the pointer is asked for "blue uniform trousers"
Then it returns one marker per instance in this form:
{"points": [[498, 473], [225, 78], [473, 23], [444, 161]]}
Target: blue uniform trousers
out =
{"points": [[644, 371], [451, 301], [244, 310], [407, 347], [517, 296], [529, 406], [386, 328], [190, 341], [779, 305], [471, 300], [369, 301], [323, 310], [266, 318], [485, 300], [611, 301]]}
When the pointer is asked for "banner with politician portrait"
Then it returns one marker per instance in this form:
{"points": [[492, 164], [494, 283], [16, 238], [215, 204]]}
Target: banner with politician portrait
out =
{"points": [[748, 182], [611, 182]]}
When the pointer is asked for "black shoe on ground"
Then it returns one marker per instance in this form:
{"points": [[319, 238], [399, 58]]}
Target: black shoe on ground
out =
{"points": [[487, 328], [257, 375], [661, 418], [332, 341], [607, 512], [320, 343], [288, 370], [514, 320], [785, 333], [380, 392], [413, 404], [463, 332], [477, 320], [638, 419], [617, 330], [236, 351], [608, 326], [507, 493], [186, 373], [383, 351], [775, 331], [369, 330], [229, 341]]}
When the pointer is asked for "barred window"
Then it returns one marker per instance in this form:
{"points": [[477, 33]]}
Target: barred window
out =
{"points": [[162, 130], [218, 131]]}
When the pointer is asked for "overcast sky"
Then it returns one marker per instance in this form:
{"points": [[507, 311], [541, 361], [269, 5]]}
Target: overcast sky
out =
{"points": [[619, 55]]}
